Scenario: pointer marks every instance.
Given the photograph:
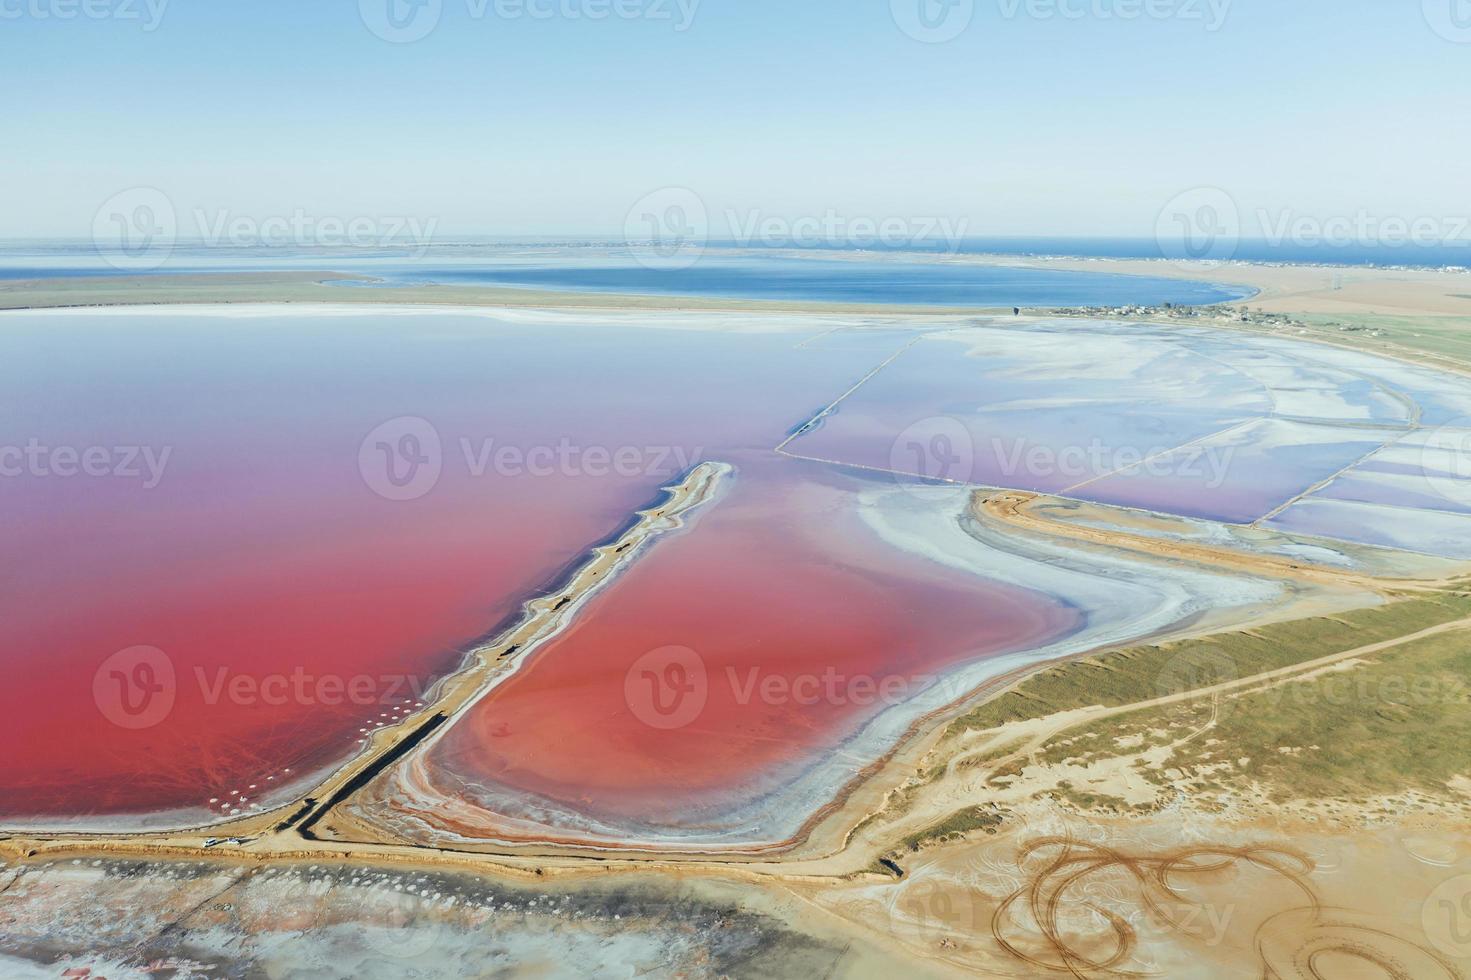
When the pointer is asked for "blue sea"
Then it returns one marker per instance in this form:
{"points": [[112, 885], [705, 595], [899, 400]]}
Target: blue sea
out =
{"points": [[876, 280], [887, 278], [913, 276]]}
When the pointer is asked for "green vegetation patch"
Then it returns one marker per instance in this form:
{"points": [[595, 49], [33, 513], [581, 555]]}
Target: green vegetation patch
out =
{"points": [[1399, 720], [1144, 673], [1446, 336], [958, 824]]}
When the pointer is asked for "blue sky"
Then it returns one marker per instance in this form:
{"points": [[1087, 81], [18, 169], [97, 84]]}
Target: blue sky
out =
{"points": [[1026, 122]]}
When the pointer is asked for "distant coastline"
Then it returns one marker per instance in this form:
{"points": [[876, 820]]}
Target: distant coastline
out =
{"points": [[1244, 252], [850, 278], [23, 258]]}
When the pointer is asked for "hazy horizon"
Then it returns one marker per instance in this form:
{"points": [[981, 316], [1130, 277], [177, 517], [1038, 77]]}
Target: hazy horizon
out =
{"points": [[560, 118]]}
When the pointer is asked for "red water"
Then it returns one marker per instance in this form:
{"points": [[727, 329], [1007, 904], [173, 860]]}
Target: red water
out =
{"points": [[291, 604], [730, 658]]}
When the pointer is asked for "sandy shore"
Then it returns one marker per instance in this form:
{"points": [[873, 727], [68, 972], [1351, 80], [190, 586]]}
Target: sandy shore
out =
{"points": [[1293, 288]]}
